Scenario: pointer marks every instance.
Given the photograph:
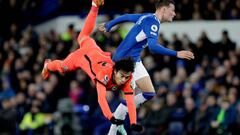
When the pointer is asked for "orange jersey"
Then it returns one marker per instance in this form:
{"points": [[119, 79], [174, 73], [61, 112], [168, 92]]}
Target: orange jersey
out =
{"points": [[100, 69], [98, 65], [104, 82]]}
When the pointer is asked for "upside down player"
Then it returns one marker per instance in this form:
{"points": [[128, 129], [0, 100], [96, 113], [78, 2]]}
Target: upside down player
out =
{"points": [[106, 74], [144, 33]]}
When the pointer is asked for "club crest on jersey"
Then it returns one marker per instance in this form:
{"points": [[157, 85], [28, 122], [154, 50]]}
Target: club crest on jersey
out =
{"points": [[114, 88], [104, 64], [105, 81]]}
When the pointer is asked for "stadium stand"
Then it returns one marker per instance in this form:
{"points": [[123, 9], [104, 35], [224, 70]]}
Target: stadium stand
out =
{"points": [[199, 97]]}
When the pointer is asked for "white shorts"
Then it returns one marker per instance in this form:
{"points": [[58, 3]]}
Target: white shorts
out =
{"points": [[139, 72]]}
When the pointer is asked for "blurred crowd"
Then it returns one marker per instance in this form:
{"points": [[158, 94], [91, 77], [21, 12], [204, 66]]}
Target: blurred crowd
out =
{"points": [[198, 97], [193, 97], [36, 11], [185, 9]]}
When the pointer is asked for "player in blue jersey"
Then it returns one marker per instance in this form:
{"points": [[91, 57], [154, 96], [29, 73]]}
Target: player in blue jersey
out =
{"points": [[144, 33]]}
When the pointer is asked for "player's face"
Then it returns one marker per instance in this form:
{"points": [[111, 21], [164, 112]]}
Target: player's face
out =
{"points": [[169, 13], [121, 77]]}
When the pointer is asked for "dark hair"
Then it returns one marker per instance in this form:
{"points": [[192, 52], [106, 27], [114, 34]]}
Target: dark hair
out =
{"points": [[125, 64], [160, 3]]}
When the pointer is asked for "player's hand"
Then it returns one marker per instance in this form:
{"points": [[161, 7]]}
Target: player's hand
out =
{"points": [[102, 28], [136, 127], [116, 121], [185, 55]]}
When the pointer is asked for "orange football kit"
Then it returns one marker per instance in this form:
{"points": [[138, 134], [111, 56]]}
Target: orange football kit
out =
{"points": [[98, 65]]}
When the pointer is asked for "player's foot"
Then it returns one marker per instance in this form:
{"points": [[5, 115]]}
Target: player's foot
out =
{"points": [[121, 130], [45, 71], [97, 3]]}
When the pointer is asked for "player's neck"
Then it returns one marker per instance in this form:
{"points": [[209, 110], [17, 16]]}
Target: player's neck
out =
{"points": [[113, 78], [159, 15]]}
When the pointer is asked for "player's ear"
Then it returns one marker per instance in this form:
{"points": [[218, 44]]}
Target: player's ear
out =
{"points": [[164, 8], [114, 71]]}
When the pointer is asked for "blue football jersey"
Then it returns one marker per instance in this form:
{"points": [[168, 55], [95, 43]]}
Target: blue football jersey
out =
{"points": [[143, 34]]}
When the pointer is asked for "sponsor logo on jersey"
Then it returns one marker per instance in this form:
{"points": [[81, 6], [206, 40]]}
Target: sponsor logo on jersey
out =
{"points": [[154, 28]]}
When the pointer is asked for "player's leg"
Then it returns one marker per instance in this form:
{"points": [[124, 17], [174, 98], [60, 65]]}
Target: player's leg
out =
{"points": [[90, 21], [70, 63], [148, 91], [62, 66]]}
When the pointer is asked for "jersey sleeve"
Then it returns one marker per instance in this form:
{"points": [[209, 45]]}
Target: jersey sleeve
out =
{"points": [[129, 96], [150, 27], [102, 79], [101, 91], [123, 18], [155, 47], [131, 108]]}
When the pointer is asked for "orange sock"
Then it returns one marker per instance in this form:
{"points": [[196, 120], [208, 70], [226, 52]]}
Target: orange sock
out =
{"points": [[55, 66], [89, 23]]}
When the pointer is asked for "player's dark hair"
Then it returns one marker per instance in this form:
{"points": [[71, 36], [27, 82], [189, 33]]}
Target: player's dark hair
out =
{"points": [[161, 3], [125, 64]]}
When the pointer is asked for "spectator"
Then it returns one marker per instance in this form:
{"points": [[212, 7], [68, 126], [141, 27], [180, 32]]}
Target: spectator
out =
{"points": [[33, 121], [8, 116], [224, 117], [153, 121]]}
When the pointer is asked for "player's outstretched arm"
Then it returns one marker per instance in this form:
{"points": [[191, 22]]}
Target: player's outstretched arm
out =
{"points": [[106, 27], [132, 113], [151, 28], [101, 90], [155, 47]]}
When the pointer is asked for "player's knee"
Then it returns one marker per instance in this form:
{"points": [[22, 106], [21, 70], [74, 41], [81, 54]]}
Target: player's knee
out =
{"points": [[148, 95], [80, 37], [62, 68]]}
